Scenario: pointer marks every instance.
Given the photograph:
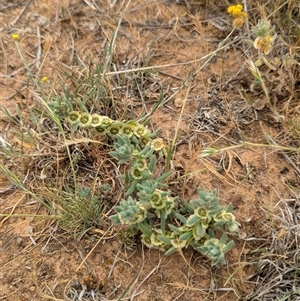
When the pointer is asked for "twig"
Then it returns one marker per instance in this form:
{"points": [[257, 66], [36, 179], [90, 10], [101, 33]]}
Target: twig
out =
{"points": [[21, 13], [247, 21], [208, 56], [4, 59], [114, 263], [12, 211], [142, 282], [39, 48]]}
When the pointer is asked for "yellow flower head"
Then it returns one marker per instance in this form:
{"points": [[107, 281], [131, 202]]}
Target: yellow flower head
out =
{"points": [[235, 10], [15, 37], [239, 15], [44, 79]]}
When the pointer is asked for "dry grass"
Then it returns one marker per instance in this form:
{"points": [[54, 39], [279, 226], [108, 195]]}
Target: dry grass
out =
{"points": [[277, 270]]}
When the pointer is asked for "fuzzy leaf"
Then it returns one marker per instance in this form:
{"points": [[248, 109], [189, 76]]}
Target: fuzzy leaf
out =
{"points": [[163, 218], [132, 188], [171, 251], [200, 231], [229, 246], [186, 236], [152, 162], [188, 207], [145, 228], [118, 209], [165, 239], [220, 223], [163, 176], [182, 218], [115, 219], [229, 208], [192, 220], [223, 238], [175, 229]]}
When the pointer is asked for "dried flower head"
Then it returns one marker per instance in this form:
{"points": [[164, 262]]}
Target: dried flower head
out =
{"points": [[264, 44], [238, 22]]}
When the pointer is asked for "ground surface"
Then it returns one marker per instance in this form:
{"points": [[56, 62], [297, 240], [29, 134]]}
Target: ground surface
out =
{"points": [[38, 261]]}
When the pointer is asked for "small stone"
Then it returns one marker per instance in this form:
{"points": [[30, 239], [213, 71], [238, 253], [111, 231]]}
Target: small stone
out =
{"points": [[178, 102]]}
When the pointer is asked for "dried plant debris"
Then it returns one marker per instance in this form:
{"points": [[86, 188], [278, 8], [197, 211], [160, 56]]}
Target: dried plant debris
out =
{"points": [[277, 273], [217, 111]]}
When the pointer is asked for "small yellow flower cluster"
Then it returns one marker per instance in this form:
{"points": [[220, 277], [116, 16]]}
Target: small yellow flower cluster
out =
{"points": [[103, 125], [239, 15], [235, 10]]}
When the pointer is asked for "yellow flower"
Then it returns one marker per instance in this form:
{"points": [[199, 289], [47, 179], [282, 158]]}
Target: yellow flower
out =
{"points": [[140, 130], [146, 240], [96, 120], [239, 15], [157, 144], [85, 119], [15, 37], [136, 173], [106, 120], [44, 79], [127, 129], [230, 9], [113, 129], [145, 140], [74, 117], [235, 10]]}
